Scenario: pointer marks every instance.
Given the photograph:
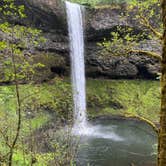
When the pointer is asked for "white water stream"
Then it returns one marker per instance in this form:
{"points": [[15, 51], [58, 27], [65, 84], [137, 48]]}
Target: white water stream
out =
{"points": [[76, 35]]}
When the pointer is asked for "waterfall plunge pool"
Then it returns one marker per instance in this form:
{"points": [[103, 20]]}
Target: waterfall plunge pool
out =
{"points": [[113, 141], [118, 143]]}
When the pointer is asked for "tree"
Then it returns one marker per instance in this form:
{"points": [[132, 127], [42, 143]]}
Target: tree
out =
{"points": [[15, 40], [162, 131]]}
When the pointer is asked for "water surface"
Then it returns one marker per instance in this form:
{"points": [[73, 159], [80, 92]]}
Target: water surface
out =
{"points": [[120, 143]]}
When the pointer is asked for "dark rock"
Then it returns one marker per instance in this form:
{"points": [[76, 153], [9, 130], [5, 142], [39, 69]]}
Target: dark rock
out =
{"points": [[55, 43], [125, 66], [50, 16], [116, 67], [126, 70], [102, 21], [59, 70]]}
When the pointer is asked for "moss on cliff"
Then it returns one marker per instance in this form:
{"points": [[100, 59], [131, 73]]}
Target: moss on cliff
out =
{"points": [[135, 97], [104, 97]]}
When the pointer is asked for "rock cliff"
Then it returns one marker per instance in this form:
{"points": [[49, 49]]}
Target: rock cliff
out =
{"points": [[50, 17]]}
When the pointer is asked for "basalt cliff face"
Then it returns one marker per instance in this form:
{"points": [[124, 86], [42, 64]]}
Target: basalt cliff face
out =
{"points": [[50, 17]]}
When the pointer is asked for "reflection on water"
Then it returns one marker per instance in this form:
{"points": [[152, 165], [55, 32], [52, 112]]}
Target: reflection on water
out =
{"points": [[118, 143]]}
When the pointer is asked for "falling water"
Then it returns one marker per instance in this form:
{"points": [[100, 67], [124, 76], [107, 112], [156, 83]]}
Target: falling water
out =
{"points": [[76, 34], [75, 28]]}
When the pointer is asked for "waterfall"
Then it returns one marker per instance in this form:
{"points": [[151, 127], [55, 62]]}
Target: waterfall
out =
{"points": [[76, 35]]}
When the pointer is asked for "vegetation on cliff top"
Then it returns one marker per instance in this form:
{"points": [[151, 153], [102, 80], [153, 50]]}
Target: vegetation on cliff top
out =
{"points": [[99, 2]]}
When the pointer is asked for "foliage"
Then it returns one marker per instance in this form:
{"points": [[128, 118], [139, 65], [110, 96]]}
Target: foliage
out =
{"points": [[94, 3], [15, 40], [121, 43], [35, 102], [126, 40], [15, 66], [8, 9], [56, 98], [8, 125], [139, 98]]}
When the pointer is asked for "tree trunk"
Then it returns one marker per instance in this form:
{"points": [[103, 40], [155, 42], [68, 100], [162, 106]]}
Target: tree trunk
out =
{"points": [[162, 132]]}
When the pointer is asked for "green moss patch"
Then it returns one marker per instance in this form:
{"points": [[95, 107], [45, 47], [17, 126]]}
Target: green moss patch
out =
{"points": [[136, 97]]}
